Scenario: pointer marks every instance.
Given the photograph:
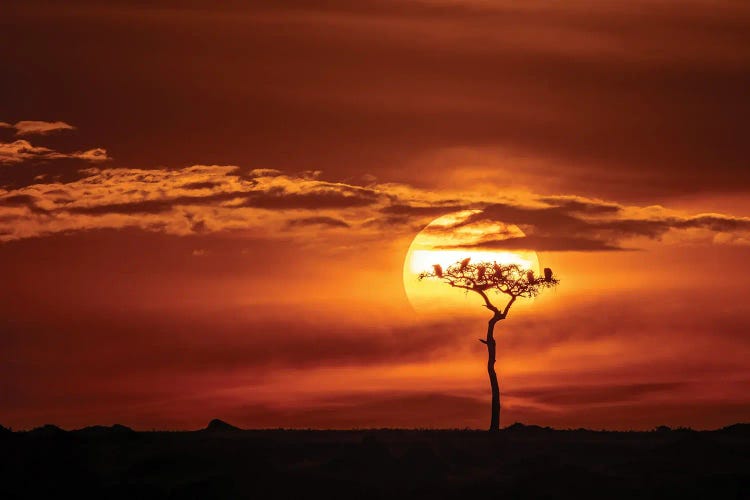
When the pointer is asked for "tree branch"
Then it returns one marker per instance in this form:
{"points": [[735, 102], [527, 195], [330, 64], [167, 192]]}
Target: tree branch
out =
{"points": [[475, 288], [507, 306], [487, 302]]}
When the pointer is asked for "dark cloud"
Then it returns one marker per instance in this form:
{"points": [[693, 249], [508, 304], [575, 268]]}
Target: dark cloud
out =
{"points": [[272, 200], [542, 244], [657, 226], [434, 210], [587, 395], [713, 222], [344, 197], [140, 207], [201, 185], [18, 200], [318, 221], [21, 200], [573, 204], [554, 217], [155, 206], [584, 226]]}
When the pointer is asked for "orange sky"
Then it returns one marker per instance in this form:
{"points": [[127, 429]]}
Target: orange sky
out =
{"points": [[205, 208]]}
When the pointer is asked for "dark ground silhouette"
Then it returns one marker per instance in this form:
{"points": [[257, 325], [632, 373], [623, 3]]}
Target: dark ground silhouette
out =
{"points": [[520, 461]]}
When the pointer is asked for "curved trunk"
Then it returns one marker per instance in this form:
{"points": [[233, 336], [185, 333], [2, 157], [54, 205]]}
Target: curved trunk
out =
{"points": [[490, 342]]}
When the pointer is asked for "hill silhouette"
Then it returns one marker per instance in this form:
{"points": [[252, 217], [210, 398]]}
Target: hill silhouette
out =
{"points": [[104, 430], [217, 425], [519, 427], [520, 461], [743, 429], [47, 430]]}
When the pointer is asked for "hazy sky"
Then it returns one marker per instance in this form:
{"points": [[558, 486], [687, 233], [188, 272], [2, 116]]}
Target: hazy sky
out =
{"points": [[205, 207]]}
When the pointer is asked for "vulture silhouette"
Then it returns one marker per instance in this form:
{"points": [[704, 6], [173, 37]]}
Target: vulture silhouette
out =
{"points": [[497, 268], [547, 274], [438, 270]]}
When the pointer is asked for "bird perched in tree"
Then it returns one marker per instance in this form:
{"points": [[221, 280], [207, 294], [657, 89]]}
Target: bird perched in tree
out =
{"points": [[480, 271], [464, 263], [547, 274], [438, 270], [497, 268], [530, 277]]}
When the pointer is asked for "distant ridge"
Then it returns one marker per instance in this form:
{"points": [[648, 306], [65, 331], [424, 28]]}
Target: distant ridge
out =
{"points": [[739, 428], [48, 430], [103, 430], [518, 426], [217, 425]]}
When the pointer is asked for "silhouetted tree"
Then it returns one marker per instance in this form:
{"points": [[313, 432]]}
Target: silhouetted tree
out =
{"points": [[511, 280]]}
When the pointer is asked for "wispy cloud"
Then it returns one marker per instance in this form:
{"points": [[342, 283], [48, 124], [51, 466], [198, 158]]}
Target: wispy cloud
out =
{"points": [[212, 198], [35, 127], [21, 150], [200, 198]]}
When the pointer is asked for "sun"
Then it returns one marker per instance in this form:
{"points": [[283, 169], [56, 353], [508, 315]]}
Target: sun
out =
{"points": [[449, 239]]}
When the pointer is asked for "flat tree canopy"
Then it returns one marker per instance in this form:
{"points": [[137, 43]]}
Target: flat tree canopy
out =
{"points": [[482, 277]]}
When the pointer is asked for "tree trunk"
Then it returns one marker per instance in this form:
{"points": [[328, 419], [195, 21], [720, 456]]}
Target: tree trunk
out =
{"points": [[490, 342]]}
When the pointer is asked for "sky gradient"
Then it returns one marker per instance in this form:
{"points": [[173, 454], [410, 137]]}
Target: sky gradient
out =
{"points": [[205, 209]]}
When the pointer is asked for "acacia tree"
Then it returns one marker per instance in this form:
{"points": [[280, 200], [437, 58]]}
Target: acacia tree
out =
{"points": [[484, 277]]}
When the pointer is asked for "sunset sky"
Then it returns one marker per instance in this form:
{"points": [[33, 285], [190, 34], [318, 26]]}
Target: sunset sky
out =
{"points": [[205, 208]]}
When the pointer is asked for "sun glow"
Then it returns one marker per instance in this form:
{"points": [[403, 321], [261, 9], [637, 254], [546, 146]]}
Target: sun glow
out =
{"points": [[449, 239]]}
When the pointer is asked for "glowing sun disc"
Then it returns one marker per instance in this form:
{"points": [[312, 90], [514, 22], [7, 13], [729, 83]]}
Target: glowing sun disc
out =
{"points": [[447, 240]]}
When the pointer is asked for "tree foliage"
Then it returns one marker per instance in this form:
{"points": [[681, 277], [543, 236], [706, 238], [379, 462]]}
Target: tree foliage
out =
{"points": [[482, 277]]}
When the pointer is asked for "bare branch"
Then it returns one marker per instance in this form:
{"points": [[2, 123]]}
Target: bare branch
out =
{"points": [[487, 302], [507, 306]]}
